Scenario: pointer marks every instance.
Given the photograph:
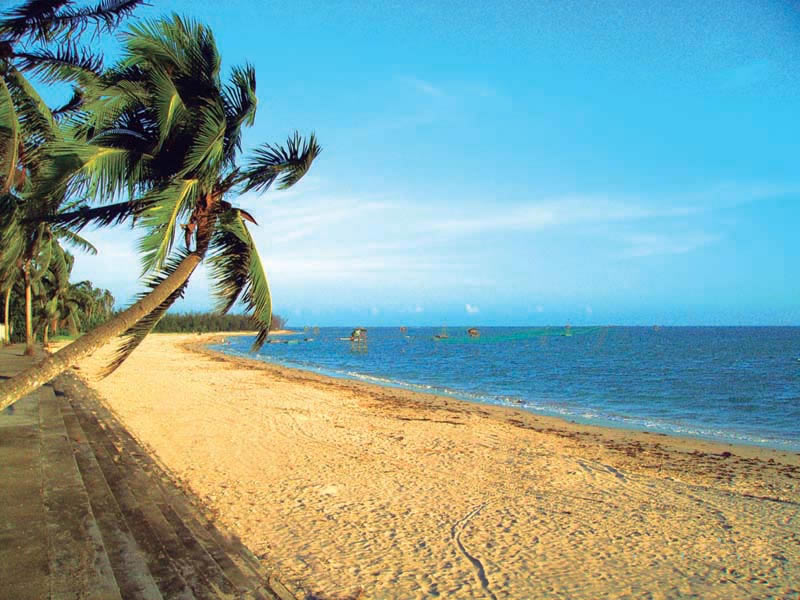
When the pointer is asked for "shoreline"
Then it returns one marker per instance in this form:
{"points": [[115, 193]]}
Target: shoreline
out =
{"points": [[709, 445], [349, 488]]}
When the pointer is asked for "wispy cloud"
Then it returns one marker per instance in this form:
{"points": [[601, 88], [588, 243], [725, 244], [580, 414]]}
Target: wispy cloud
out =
{"points": [[424, 87], [471, 309], [650, 244], [551, 213]]}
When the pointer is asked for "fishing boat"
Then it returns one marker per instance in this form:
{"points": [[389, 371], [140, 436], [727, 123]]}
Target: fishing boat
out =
{"points": [[442, 335]]}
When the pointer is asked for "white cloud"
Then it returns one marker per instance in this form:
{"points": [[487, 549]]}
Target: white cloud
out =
{"points": [[418, 309], [471, 309]]}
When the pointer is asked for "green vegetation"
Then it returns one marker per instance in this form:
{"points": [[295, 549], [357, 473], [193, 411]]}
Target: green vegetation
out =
{"points": [[210, 322], [153, 141]]}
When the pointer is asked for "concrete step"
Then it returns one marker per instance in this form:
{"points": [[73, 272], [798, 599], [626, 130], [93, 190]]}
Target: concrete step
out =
{"points": [[238, 564], [24, 565], [196, 567], [226, 564], [78, 563], [127, 560], [143, 520]]}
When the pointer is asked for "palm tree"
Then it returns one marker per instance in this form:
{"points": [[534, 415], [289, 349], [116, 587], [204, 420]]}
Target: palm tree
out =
{"points": [[164, 131], [27, 35], [25, 233], [41, 37]]}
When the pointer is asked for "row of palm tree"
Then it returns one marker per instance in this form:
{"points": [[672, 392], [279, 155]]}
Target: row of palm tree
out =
{"points": [[52, 303], [154, 142]]}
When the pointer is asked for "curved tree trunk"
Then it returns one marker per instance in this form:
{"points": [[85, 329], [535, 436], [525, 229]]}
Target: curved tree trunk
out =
{"points": [[35, 376], [29, 341], [6, 316]]}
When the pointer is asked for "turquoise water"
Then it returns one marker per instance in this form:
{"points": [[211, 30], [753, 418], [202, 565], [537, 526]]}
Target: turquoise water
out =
{"points": [[732, 384]]}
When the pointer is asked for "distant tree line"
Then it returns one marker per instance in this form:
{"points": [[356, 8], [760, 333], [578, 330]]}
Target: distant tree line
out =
{"points": [[197, 322]]}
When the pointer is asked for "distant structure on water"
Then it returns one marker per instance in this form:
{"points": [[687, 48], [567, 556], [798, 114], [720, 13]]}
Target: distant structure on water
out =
{"points": [[473, 332], [357, 339], [442, 335]]}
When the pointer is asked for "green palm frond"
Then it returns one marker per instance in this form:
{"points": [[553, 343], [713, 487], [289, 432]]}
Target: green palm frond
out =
{"points": [[33, 113], [92, 170], [74, 240], [168, 103], [240, 102], [136, 334], [286, 164], [164, 208], [9, 138], [237, 273], [206, 152], [110, 214], [43, 261]]}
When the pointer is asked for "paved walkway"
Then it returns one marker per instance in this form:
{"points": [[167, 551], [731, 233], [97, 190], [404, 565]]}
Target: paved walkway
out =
{"points": [[85, 513]]}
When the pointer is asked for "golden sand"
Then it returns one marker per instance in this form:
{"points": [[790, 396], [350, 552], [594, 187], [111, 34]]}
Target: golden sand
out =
{"points": [[348, 488]]}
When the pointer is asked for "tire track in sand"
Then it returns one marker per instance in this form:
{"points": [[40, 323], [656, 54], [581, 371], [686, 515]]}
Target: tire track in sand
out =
{"points": [[455, 533]]}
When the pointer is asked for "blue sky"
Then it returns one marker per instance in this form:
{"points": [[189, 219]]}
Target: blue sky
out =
{"points": [[519, 162]]}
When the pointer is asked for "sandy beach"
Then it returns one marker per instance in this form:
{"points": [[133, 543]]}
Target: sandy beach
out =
{"points": [[354, 490]]}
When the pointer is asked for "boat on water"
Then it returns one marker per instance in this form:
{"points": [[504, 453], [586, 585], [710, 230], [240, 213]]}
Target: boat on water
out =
{"points": [[473, 332], [442, 335], [567, 331]]}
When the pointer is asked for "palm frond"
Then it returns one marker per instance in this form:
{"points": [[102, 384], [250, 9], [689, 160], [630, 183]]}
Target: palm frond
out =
{"points": [[48, 20], [92, 170], [67, 62], [9, 139], [110, 214], [34, 115], [104, 16], [165, 207], [168, 103], [71, 106], [31, 19], [237, 273], [136, 334], [75, 240], [240, 102], [286, 164], [205, 154]]}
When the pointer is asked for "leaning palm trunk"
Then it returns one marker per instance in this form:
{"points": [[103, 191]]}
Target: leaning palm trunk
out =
{"points": [[37, 375]]}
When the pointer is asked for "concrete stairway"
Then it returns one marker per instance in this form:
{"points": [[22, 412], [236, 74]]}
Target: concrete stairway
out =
{"points": [[85, 513]]}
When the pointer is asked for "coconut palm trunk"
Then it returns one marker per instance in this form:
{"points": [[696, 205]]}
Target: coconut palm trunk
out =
{"points": [[29, 341], [6, 316], [37, 375]]}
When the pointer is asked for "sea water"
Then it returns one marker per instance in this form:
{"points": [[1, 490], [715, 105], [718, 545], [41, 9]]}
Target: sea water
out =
{"points": [[731, 384]]}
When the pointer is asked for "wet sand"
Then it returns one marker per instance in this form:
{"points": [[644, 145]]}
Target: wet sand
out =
{"points": [[353, 489]]}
